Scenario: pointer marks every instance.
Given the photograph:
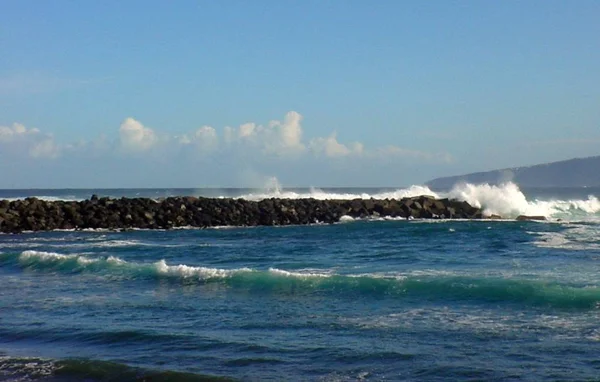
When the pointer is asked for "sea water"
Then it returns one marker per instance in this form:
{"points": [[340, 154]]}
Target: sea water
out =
{"points": [[361, 300]]}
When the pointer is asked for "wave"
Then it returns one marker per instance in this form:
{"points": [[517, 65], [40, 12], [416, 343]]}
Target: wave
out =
{"points": [[317, 193], [26, 369], [418, 284], [506, 200], [65, 198]]}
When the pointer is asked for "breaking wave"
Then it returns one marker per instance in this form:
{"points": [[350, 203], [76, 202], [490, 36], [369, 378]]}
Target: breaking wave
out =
{"points": [[442, 286], [506, 200]]}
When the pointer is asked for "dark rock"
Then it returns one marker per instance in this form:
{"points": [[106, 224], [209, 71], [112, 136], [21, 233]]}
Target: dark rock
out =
{"points": [[38, 215], [527, 217]]}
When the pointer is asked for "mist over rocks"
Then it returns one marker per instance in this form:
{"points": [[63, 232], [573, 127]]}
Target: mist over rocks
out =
{"points": [[32, 214]]}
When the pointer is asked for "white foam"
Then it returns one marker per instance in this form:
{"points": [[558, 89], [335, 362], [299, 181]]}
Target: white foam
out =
{"points": [[508, 201], [100, 244], [301, 273], [202, 273], [316, 193], [483, 321], [66, 198], [44, 256], [52, 257], [115, 260], [505, 200], [551, 240], [85, 261], [25, 368], [574, 237], [113, 243]]}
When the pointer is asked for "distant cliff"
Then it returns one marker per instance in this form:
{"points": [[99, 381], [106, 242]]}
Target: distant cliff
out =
{"points": [[579, 172]]}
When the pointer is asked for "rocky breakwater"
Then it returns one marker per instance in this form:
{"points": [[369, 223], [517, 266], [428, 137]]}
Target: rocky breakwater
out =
{"points": [[33, 214]]}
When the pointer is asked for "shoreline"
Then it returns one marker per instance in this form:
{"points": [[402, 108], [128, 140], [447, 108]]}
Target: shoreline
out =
{"points": [[33, 214]]}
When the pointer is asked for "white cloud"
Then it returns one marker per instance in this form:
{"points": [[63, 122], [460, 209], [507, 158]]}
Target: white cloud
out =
{"points": [[45, 149], [332, 148], [184, 139], [135, 136], [357, 148], [16, 132], [248, 130], [250, 144], [289, 133], [280, 138], [205, 138], [19, 140], [206, 133]]}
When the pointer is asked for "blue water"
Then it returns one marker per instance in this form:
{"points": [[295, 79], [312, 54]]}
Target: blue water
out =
{"points": [[362, 300]]}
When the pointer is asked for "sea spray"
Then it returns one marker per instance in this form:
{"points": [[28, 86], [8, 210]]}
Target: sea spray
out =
{"points": [[506, 200]]}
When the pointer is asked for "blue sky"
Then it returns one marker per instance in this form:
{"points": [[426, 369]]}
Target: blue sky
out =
{"points": [[316, 93]]}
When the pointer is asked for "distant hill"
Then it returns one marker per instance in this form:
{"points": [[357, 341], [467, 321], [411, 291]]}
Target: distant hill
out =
{"points": [[579, 172]]}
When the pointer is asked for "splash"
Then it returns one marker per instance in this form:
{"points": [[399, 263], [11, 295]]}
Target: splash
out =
{"points": [[274, 189], [506, 200]]}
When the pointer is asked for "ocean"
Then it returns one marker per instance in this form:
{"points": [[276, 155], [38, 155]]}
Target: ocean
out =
{"points": [[361, 300]]}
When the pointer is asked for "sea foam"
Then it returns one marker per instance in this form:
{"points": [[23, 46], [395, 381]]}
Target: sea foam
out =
{"points": [[506, 200]]}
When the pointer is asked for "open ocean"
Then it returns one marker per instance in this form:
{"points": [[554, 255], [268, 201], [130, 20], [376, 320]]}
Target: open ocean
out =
{"points": [[361, 300]]}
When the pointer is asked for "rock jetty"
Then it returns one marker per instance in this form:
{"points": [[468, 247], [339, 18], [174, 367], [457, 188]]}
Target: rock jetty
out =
{"points": [[33, 214]]}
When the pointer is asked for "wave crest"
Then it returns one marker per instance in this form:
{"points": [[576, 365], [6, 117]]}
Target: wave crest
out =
{"points": [[506, 200], [415, 284]]}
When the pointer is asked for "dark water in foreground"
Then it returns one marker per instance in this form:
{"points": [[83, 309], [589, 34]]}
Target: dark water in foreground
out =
{"points": [[362, 300]]}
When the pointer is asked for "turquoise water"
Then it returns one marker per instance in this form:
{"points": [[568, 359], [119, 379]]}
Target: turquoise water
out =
{"points": [[361, 300]]}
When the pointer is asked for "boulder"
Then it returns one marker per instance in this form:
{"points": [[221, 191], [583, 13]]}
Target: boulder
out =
{"points": [[528, 217], [107, 213]]}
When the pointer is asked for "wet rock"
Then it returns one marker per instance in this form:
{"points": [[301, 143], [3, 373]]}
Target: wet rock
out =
{"points": [[528, 217], [37, 215]]}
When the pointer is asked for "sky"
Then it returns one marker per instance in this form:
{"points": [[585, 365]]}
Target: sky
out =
{"points": [[315, 93]]}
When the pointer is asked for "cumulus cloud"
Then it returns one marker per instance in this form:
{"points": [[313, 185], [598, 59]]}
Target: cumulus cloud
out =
{"points": [[205, 139], [330, 147], [19, 140], [45, 149], [135, 136], [280, 138], [288, 134], [249, 142], [16, 132], [248, 130]]}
